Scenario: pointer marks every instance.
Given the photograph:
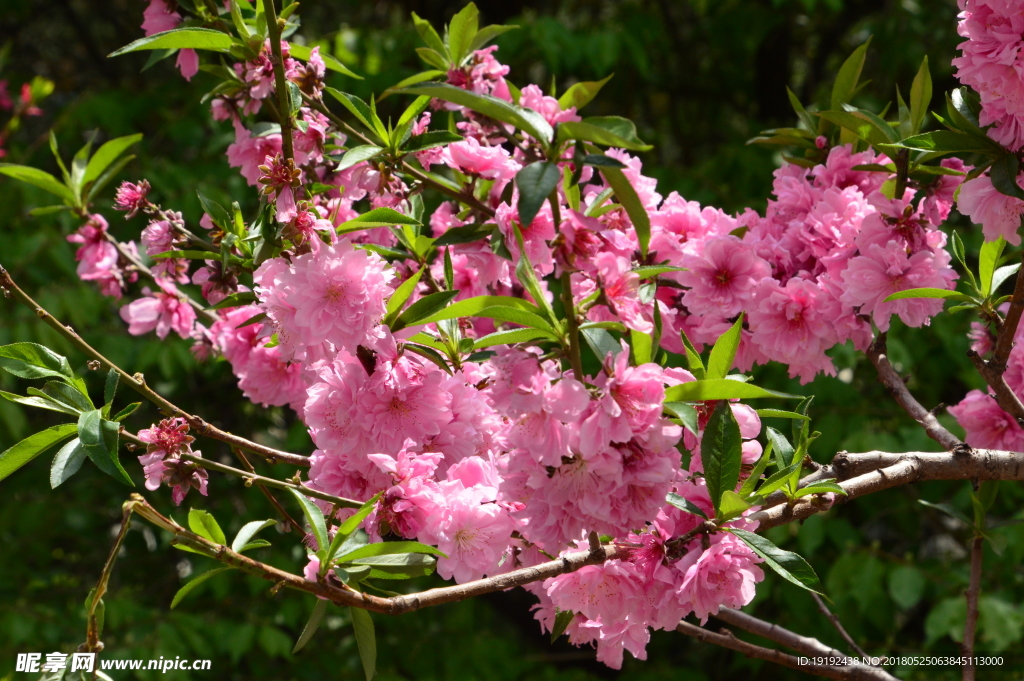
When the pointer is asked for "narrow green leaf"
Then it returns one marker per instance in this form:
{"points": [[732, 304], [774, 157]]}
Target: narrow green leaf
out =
{"points": [[205, 525], [428, 140], [100, 439], [357, 107], [461, 31], [38, 178], [988, 259], [487, 34], [720, 452], [784, 451], [849, 75], [40, 402], [472, 306], [314, 517], [755, 474], [724, 351], [821, 487], [428, 305], [429, 35], [920, 95], [312, 624], [66, 462], [629, 199], [685, 413], [642, 345], [732, 506], [366, 640], [358, 154], [781, 414], [1002, 274], [693, 359], [346, 529], [608, 131], [1004, 175], [21, 453], [684, 504], [304, 52], [398, 566], [110, 387], [378, 217], [389, 548], [511, 337], [580, 94], [192, 38], [786, 564], [601, 342], [526, 120], [236, 300], [719, 389], [192, 584], [249, 531], [127, 411], [927, 293], [535, 183], [107, 154], [64, 394], [402, 294], [949, 141]]}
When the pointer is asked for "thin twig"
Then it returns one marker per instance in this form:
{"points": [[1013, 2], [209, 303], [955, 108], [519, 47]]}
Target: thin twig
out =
{"points": [[1004, 395], [834, 619], [280, 84], [137, 382], [887, 375], [973, 589], [1008, 329], [293, 525], [92, 632]]}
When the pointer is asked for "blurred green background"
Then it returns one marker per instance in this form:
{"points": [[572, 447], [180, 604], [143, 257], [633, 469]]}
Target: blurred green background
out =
{"points": [[699, 77]]}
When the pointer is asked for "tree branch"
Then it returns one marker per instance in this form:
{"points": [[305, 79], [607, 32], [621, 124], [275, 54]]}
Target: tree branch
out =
{"points": [[1004, 396], [838, 625], [342, 595], [1008, 329], [973, 589], [887, 375], [293, 525], [727, 639], [963, 464], [92, 631], [137, 383], [280, 84], [802, 644]]}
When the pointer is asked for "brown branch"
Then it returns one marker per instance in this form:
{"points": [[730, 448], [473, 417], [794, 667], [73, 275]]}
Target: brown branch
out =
{"points": [[137, 382], [92, 631], [280, 84], [962, 464], [838, 625], [887, 375], [1008, 329], [343, 595], [727, 639], [802, 644], [1004, 396], [293, 525], [973, 588]]}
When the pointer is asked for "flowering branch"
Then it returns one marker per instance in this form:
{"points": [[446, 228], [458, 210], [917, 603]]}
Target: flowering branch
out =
{"points": [[280, 83], [342, 595], [802, 644], [892, 381], [973, 589], [137, 382]]}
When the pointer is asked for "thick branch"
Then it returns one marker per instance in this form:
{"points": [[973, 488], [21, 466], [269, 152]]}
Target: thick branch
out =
{"points": [[137, 383], [963, 464], [887, 375], [973, 589], [802, 644], [726, 639], [342, 595], [280, 84]]}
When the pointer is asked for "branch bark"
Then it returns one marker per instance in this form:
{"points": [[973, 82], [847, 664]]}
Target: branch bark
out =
{"points": [[137, 382], [973, 589], [280, 84], [802, 644], [838, 625], [877, 353]]}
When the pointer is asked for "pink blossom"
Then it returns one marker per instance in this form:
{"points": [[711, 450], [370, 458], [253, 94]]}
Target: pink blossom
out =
{"points": [[986, 424], [723, 277], [132, 198], [531, 97], [881, 271], [247, 152], [309, 76], [96, 256], [998, 214], [631, 404], [473, 533], [483, 75], [280, 178], [165, 310], [471, 158], [791, 324], [158, 18], [168, 438], [722, 576], [620, 287]]}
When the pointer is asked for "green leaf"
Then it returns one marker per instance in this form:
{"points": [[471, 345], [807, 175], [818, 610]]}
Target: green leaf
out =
{"points": [[315, 619], [651, 271], [314, 517], [514, 315], [66, 462], [627, 196], [428, 305], [192, 584], [732, 506], [464, 235], [110, 388], [862, 126], [821, 487], [784, 451], [684, 504], [40, 402], [1002, 274], [779, 479], [719, 389], [402, 294], [357, 107], [693, 359], [461, 31], [21, 453], [1004, 176], [988, 259], [685, 413], [535, 183], [920, 95], [927, 293], [389, 548], [366, 640], [487, 34], [433, 58], [206, 526], [787, 564], [236, 300], [191, 38], [511, 337], [38, 178], [106, 155], [398, 565], [428, 140], [801, 112], [358, 155], [948, 510], [64, 394], [127, 411], [378, 217], [781, 414], [849, 75], [249, 531], [99, 437], [960, 113], [755, 474], [601, 342], [608, 131], [304, 52], [78, 164], [562, 620], [580, 94], [724, 351], [472, 306], [949, 141], [429, 35], [526, 120], [720, 452], [346, 529]]}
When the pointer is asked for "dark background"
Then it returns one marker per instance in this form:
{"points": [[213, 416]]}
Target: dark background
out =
{"points": [[699, 77]]}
